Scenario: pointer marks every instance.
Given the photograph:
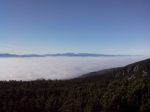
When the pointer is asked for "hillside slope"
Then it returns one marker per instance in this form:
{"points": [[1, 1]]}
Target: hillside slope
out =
{"points": [[136, 70]]}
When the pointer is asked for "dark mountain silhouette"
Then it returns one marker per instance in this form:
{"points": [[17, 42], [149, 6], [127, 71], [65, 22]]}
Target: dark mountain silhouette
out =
{"points": [[136, 70]]}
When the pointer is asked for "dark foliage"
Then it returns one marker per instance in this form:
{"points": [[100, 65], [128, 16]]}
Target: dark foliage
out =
{"points": [[75, 96], [80, 95]]}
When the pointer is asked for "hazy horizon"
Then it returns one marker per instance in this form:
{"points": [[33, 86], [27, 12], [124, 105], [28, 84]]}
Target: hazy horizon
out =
{"points": [[94, 26], [71, 53]]}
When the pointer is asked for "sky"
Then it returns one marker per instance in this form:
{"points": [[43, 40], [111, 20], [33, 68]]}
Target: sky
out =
{"points": [[80, 26]]}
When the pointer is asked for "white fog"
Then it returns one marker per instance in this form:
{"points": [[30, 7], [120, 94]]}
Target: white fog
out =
{"points": [[58, 67]]}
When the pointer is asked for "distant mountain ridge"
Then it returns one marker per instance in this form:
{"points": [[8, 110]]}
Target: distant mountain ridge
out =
{"points": [[139, 69], [59, 54]]}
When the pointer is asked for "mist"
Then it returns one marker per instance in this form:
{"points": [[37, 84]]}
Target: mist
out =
{"points": [[58, 67]]}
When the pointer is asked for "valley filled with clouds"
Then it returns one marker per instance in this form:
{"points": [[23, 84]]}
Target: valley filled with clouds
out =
{"points": [[58, 67]]}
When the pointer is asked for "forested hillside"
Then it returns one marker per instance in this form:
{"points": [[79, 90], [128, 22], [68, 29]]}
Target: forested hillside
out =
{"points": [[124, 94]]}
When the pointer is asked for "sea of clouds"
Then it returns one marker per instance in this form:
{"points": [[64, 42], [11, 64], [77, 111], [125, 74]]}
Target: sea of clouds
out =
{"points": [[58, 67]]}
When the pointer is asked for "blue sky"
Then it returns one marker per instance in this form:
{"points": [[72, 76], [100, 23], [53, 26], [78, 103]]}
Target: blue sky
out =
{"points": [[58, 26]]}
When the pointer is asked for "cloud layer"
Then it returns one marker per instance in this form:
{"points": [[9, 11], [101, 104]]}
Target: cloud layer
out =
{"points": [[57, 67]]}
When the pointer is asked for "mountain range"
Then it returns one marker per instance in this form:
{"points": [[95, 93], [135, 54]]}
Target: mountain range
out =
{"points": [[59, 54]]}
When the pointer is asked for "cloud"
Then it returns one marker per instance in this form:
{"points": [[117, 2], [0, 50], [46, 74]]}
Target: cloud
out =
{"points": [[57, 68]]}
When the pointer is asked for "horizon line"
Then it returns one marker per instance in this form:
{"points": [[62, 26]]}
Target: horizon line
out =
{"points": [[71, 53]]}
